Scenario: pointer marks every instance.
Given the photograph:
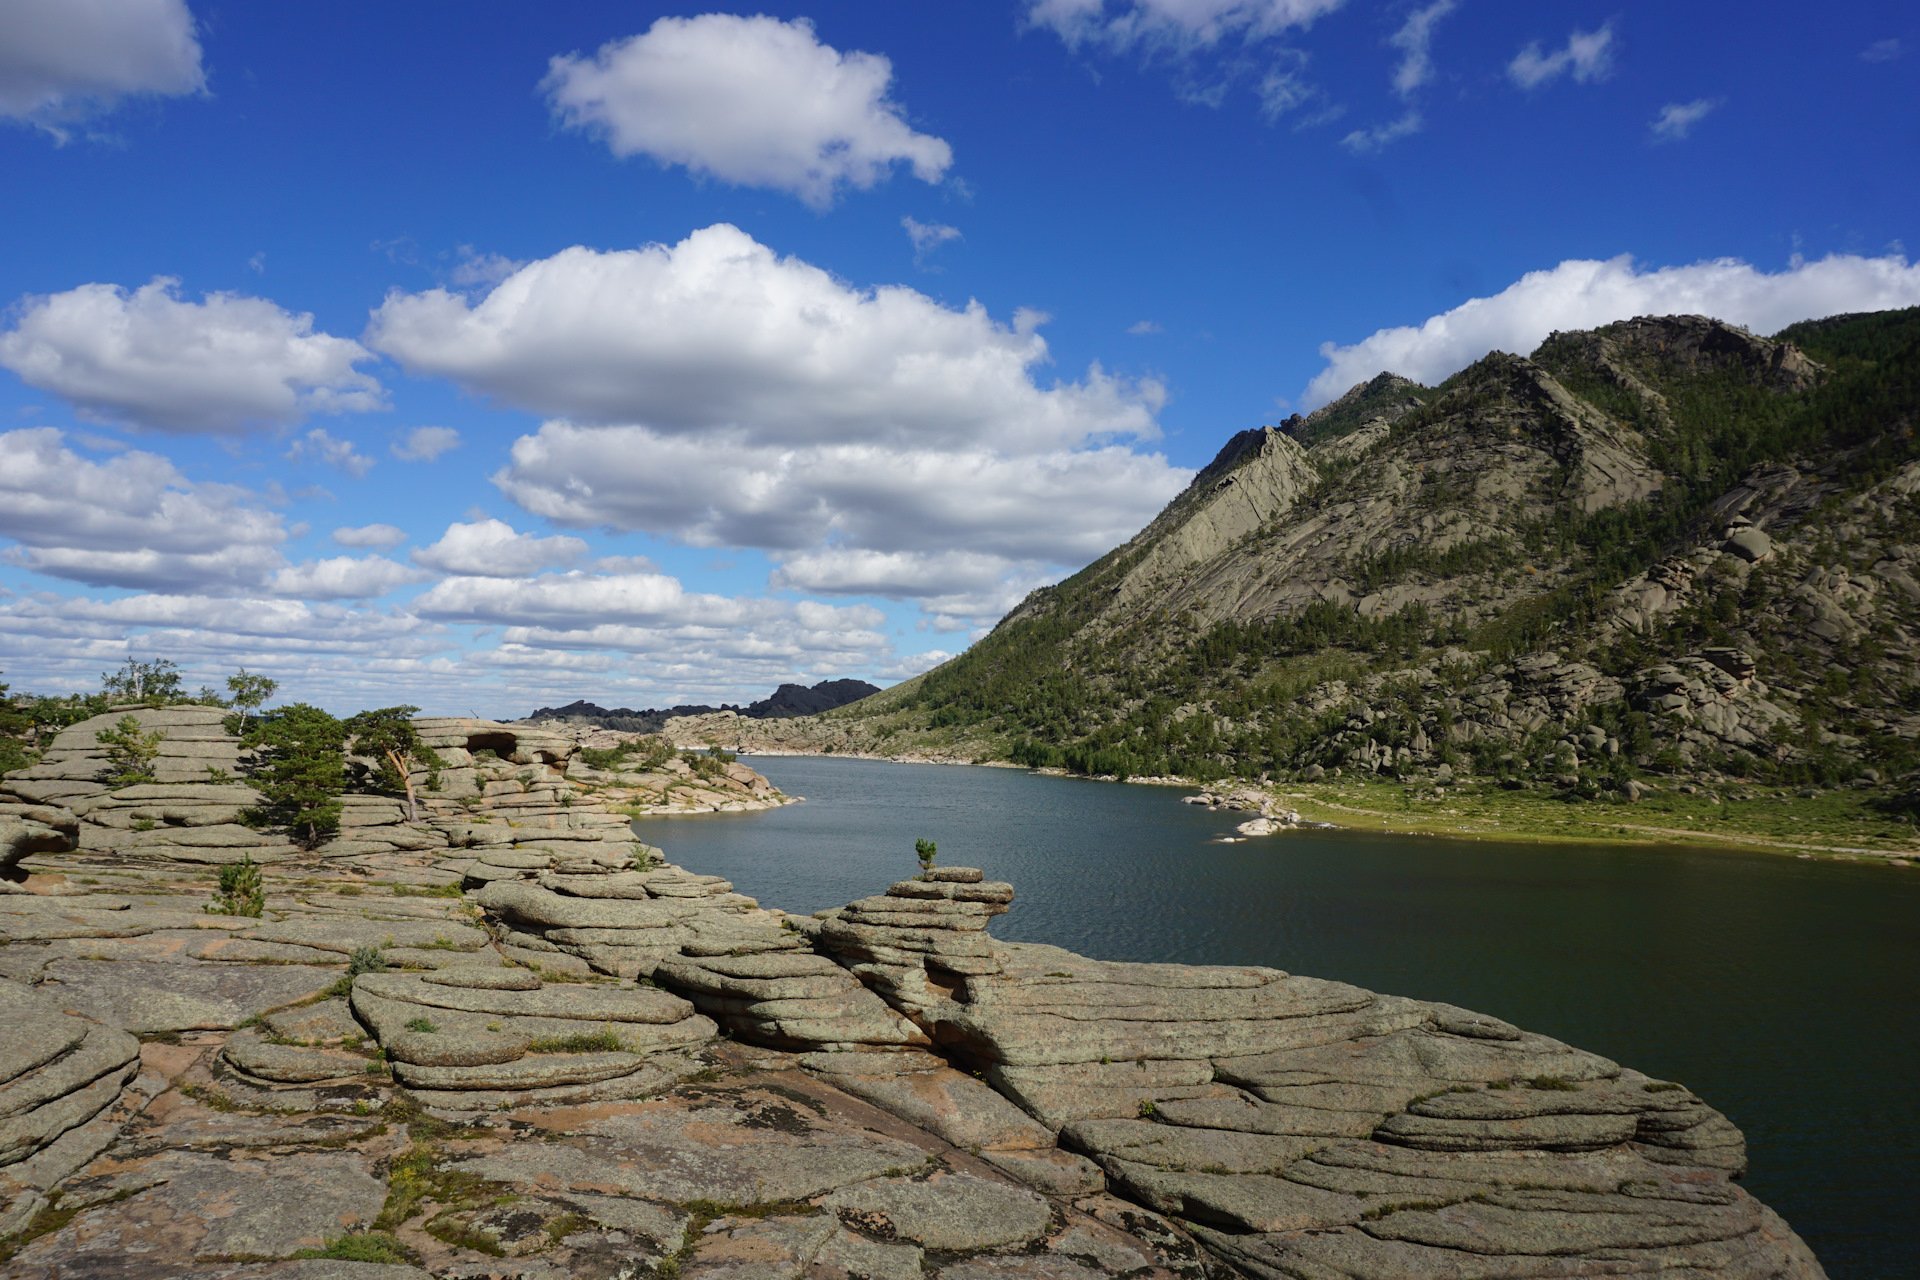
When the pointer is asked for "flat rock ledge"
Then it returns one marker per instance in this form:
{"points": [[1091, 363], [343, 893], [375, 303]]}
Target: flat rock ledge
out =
{"points": [[505, 1039]]}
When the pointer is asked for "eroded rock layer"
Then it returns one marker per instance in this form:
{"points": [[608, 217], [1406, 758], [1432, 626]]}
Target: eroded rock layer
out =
{"points": [[504, 1039], [1302, 1127]]}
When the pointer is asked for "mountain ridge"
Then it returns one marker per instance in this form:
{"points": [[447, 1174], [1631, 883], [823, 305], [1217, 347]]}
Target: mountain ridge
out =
{"points": [[786, 701], [1642, 556]]}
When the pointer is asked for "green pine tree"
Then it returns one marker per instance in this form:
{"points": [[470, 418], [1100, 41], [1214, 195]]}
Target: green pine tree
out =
{"points": [[299, 771]]}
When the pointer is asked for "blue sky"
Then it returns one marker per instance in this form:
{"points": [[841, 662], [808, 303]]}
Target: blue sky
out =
{"points": [[489, 355]]}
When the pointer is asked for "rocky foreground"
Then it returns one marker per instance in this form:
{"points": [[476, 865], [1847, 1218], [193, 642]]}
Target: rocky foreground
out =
{"points": [[508, 1041]]}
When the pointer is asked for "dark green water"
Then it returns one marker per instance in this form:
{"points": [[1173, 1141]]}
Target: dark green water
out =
{"points": [[1780, 990]]}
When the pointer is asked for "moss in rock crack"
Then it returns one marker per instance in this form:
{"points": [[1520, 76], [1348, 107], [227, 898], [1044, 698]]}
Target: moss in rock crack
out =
{"points": [[426, 891], [704, 1213], [54, 1216], [1405, 1206], [211, 1099], [420, 1177]]}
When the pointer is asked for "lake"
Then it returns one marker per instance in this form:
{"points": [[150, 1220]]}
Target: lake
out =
{"points": [[1780, 990]]}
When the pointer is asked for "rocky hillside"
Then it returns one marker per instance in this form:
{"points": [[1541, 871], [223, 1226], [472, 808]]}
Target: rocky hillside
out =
{"points": [[1663, 551]]}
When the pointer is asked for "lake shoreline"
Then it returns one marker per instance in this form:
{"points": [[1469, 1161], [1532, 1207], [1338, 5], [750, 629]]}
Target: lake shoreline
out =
{"points": [[1697, 964], [1480, 816]]}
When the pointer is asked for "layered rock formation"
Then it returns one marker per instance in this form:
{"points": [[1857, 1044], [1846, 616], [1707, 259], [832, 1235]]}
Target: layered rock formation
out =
{"points": [[1301, 1127], [499, 1041], [664, 783], [59, 1075], [189, 812]]}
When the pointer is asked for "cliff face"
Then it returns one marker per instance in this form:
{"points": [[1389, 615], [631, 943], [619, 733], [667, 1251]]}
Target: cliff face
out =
{"points": [[1659, 552], [504, 1039]]}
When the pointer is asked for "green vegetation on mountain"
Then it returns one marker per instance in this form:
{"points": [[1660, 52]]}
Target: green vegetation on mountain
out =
{"points": [[1655, 554]]}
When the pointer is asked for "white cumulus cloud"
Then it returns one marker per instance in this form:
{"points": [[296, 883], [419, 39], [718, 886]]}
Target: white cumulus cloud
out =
{"points": [[749, 100], [717, 332], [713, 392], [130, 520], [1584, 293], [1414, 40], [424, 444], [473, 267], [62, 61], [149, 358], [1587, 56], [903, 574], [927, 236], [494, 549], [1363, 141], [320, 445], [342, 578], [235, 568], [380, 537], [1676, 119], [912, 664], [1062, 507], [1182, 23]]}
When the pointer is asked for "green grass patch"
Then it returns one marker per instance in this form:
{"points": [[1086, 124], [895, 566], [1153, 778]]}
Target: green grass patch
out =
{"points": [[1734, 815], [581, 1042], [368, 1246], [426, 891]]}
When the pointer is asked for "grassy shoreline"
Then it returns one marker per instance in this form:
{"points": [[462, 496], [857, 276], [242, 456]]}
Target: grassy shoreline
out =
{"points": [[1841, 825]]}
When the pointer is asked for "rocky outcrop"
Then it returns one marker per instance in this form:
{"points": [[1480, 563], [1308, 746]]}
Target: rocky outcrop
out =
{"points": [[27, 829], [525, 1046], [476, 1037], [504, 796], [620, 923], [1304, 1127], [59, 1075], [651, 779], [189, 811]]}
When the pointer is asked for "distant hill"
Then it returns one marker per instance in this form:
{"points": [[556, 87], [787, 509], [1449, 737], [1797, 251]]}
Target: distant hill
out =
{"points": [[1662, 551], [797, 700], [788, 700]]}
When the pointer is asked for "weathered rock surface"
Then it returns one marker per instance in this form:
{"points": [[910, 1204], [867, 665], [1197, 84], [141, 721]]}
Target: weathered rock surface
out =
{"points": [[522, 1046], [58, 1073], [1303, 1127]]}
